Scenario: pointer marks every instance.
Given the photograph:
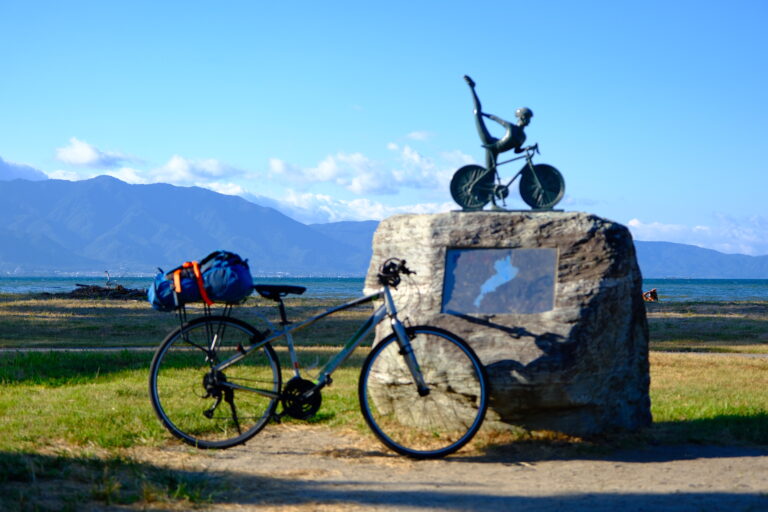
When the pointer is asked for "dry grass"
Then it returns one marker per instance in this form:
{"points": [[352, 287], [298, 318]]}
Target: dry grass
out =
{"points": [[37, 321], [739, 327]]}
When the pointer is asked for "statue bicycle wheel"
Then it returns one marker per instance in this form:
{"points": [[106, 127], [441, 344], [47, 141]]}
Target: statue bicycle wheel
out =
{"points": [[541, 186], [472, 186]]}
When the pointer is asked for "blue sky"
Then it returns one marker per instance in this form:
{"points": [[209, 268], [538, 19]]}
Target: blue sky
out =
{"points": [[654, 112]]}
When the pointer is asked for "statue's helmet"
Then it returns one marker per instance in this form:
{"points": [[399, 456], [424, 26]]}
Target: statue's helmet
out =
{"points": [[524, 113]]}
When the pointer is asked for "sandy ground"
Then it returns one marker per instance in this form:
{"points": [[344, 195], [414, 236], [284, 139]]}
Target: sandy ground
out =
{"points": [[303, 468]]}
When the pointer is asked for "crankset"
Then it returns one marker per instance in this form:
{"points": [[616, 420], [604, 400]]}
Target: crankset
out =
{"points": [[296, 403], [500, 192]]}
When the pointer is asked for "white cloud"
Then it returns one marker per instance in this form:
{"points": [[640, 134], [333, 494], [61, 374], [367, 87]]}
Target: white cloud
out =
{"points": [[61, 174], [457, 158], [79, 152], [352, 171], [184, 171], [420, 172], [419, 135], [280, 167], [314, 208], [207, 173], [12, 171], [129, 175], [363, 176], [728, 234], [230, 189]]}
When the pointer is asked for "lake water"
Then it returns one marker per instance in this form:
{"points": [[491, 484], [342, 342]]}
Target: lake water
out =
{"points": [[317, 287], [669, 290], [687, 290]]}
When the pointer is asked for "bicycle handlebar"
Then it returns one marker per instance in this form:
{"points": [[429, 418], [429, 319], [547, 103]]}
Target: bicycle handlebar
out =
{"points": [[390, 270]]}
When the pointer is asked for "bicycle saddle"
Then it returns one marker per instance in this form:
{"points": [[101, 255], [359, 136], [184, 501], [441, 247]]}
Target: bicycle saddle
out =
{"points": [[277, 291]]}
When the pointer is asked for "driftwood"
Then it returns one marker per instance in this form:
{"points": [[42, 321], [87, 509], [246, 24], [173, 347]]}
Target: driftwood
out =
{"points": [[117, 292]]}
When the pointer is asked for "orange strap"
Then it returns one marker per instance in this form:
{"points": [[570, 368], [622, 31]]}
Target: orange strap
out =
{"points": [[198, 278], [177, 280]]}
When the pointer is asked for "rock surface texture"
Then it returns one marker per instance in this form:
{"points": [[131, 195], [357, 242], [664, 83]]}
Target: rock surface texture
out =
{"points": [[579, 367]]}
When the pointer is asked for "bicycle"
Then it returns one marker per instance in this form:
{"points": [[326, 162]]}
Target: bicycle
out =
{"points": [[422, 390], [541, 185]]}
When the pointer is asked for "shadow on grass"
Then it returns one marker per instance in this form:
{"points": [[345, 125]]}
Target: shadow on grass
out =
{"points": [[30, 481], [58, 368], [43, 482], [719, 437], [724, 429], [61, 368]]}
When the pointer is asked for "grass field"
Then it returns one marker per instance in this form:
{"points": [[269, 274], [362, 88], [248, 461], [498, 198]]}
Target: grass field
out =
{"points": [[735, 327], [44, 322], [80, 413]]}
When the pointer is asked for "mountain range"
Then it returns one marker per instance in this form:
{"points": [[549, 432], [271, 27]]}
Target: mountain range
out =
{"points": [[103, 223], [54, 227]]}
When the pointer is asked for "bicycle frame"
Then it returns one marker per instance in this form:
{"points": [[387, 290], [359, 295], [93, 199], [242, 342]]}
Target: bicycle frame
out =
{"points": [[528, 157], [386, 309]]}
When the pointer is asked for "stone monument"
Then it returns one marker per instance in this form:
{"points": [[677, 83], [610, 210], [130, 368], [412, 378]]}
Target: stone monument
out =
{"points": [[550, 301]]}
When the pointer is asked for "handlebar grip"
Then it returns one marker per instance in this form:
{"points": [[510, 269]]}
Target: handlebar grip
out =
{"points": [[390, 271]]}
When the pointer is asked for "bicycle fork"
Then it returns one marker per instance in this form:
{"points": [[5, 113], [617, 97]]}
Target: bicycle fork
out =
{"points": [[406, 349]]}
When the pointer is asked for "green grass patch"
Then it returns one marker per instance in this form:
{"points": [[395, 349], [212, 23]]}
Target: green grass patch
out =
{"points": [[704, 398]]}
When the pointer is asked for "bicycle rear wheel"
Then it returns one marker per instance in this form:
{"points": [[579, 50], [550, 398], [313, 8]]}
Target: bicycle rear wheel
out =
{"points": [[472, 187], [428, 426], [194, 403]]}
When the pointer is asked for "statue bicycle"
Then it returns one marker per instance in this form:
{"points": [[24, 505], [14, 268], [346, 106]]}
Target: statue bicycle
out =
{"points": [[541, 185], [473, 186]]}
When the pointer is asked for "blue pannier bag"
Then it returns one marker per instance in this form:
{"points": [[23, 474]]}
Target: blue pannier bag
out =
{"points": [[162, 294], [226, 277], [221, 276]]}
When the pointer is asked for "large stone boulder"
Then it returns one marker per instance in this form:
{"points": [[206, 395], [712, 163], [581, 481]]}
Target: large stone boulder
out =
{"points": [[552, 306]]}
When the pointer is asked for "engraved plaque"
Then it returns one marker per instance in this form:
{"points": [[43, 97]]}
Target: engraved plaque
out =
{"points": [[499, 281]]}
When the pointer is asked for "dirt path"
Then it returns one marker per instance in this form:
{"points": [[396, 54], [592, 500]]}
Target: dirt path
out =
{"points": [[306, 468]]}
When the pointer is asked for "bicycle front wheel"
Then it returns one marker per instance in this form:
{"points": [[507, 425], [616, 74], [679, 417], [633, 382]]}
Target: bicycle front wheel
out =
{"points": [[438, 423], [541, 187], [210, 409]]}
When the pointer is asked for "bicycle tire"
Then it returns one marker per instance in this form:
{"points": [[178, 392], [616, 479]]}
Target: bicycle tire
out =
{"points": [[472, 187], [544, 190], [177, 387], [424, 427]]}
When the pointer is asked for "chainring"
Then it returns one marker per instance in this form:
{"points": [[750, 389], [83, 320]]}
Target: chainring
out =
{"points": [[295, 404]]}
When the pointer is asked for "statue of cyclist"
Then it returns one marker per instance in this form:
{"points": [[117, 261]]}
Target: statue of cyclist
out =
{"points": [[512, 139]]}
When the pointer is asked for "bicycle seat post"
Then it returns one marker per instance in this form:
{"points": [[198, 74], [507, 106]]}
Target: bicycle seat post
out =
{"points": [[281, 307]]}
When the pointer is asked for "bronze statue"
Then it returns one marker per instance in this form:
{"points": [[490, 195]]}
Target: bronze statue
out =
{"points": [[512, 139], [473, 186]]}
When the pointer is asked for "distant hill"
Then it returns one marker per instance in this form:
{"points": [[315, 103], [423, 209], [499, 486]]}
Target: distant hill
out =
{"points": [[357, 234], [670, 260], [106, 224], [55, 226]]}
